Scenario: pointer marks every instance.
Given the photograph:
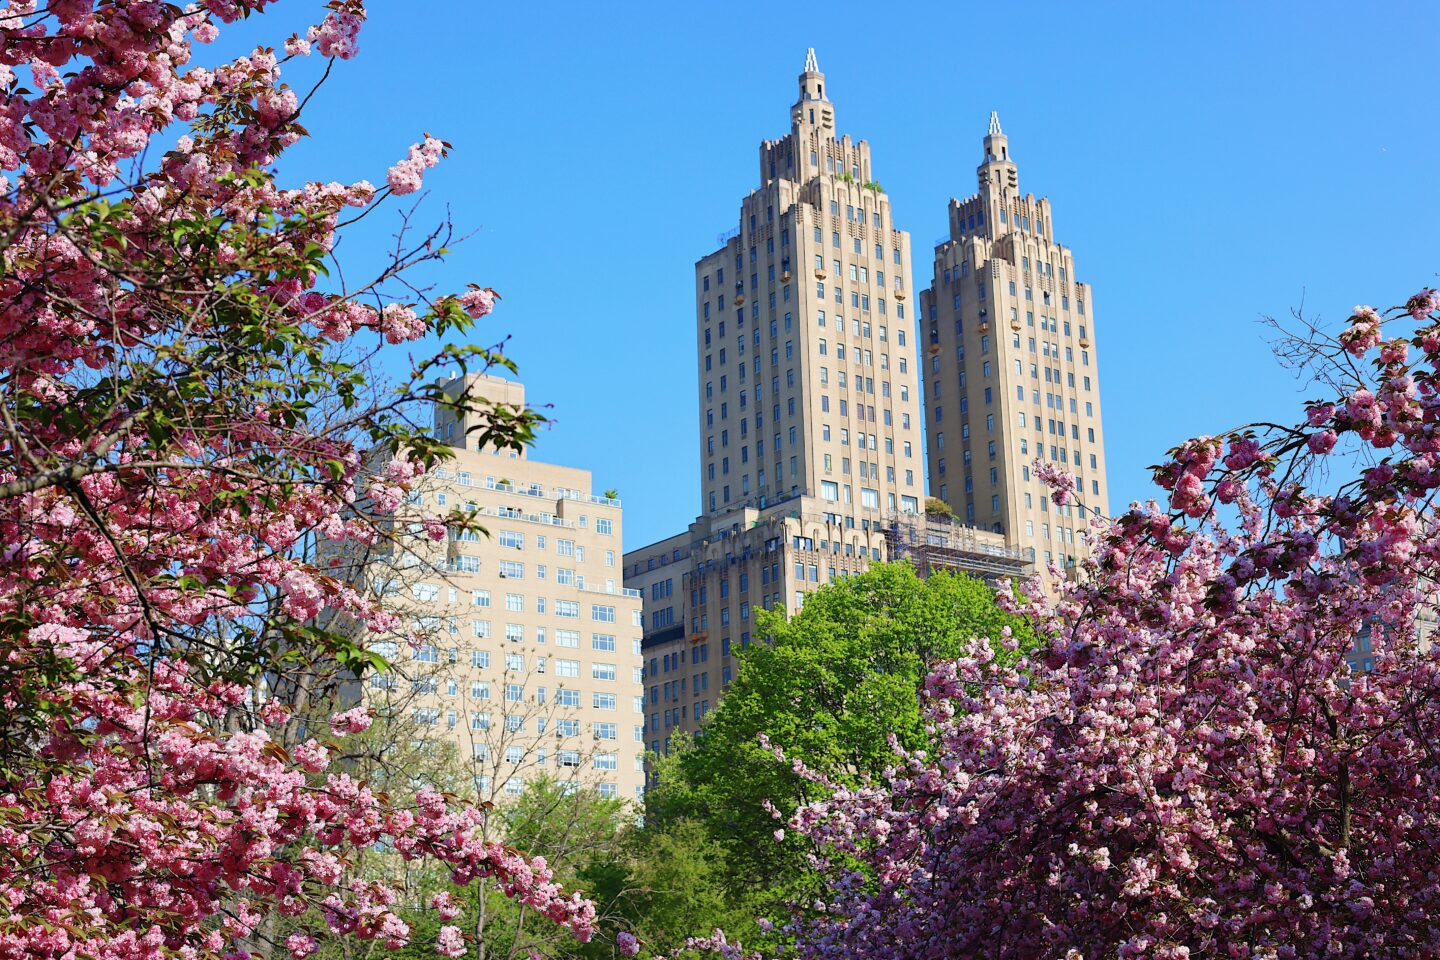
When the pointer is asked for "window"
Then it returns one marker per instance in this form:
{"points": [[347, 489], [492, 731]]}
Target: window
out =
{"points": [[602, 613], [567, 668], [602, 671], [607, 731], [603, 701]]}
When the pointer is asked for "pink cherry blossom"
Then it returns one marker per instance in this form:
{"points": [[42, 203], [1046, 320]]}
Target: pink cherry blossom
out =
{"points": [[301, 945], [1322, 442], [399, 323], [161, 794], [1061, 484], [337, 35], [450, 942], [1189, 766], [1243, 453], [356, 720], [406, 175], [445, 904], [1424, 303], [478, 303]]}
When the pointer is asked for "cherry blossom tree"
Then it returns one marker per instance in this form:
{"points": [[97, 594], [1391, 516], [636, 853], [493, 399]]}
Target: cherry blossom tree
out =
{"points": [[189, 435], [1229, 745]]}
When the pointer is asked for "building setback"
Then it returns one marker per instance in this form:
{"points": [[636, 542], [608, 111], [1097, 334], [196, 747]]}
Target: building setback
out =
{"points": [[1010, 368], [534, 667], [810, 417]]}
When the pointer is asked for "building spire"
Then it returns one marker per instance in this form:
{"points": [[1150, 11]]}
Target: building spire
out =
{"points": [[810, 65], [998, 171]]}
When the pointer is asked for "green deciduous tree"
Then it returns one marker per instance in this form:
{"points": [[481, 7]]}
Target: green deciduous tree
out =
{"points": [[831, 685]]}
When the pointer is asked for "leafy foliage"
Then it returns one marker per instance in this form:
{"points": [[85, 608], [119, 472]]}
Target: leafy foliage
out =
{"points": [[835, 686], [189, 438], [1226, 744]]}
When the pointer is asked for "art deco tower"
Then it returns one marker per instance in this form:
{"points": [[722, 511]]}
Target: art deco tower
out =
{"points": [[1010, 367], [807, 365], [810, 431]]}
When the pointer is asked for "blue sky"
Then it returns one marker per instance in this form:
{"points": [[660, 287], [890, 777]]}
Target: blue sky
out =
{"points": [[1209, 165]]}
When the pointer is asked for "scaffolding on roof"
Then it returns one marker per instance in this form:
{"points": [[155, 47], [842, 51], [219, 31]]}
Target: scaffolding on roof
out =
{"points": [[934, 543]]}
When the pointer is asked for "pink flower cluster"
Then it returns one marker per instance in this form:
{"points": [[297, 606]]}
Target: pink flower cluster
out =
{"points": [[478, 303], [399, 323], [1061, 484], [149, 806], [337, 35], [1191, 766], [406, 175], [355, 720], [1423, 304], [450, 942]]}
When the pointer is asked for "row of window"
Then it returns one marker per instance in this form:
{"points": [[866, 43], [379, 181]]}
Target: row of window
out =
{"points": [[515, 602], [515, 693], [521, 723], [515, 662], [603, 525], [674, 690], [866, 470], [537, 755]]}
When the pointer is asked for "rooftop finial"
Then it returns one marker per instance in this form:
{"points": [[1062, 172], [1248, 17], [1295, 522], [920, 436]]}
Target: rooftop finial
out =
{"points": [[994, 123], [810, 65]]}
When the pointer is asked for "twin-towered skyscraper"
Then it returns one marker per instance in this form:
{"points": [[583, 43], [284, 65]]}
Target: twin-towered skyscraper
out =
{"points": [[827, 385]]}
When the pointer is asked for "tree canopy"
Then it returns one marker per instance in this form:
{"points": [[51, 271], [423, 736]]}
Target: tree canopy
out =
{"points": [[1225, 745], [834, 685], [191, 434]]}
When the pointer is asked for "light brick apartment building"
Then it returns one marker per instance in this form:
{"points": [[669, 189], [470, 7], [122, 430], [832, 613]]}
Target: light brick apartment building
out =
{"points": [[532, 665]]}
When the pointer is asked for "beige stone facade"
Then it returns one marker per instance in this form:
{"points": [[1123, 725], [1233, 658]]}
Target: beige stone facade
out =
{"points": [[806, 359], [532, 664], [1010, 368], [811, 445], [702, 589]]}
